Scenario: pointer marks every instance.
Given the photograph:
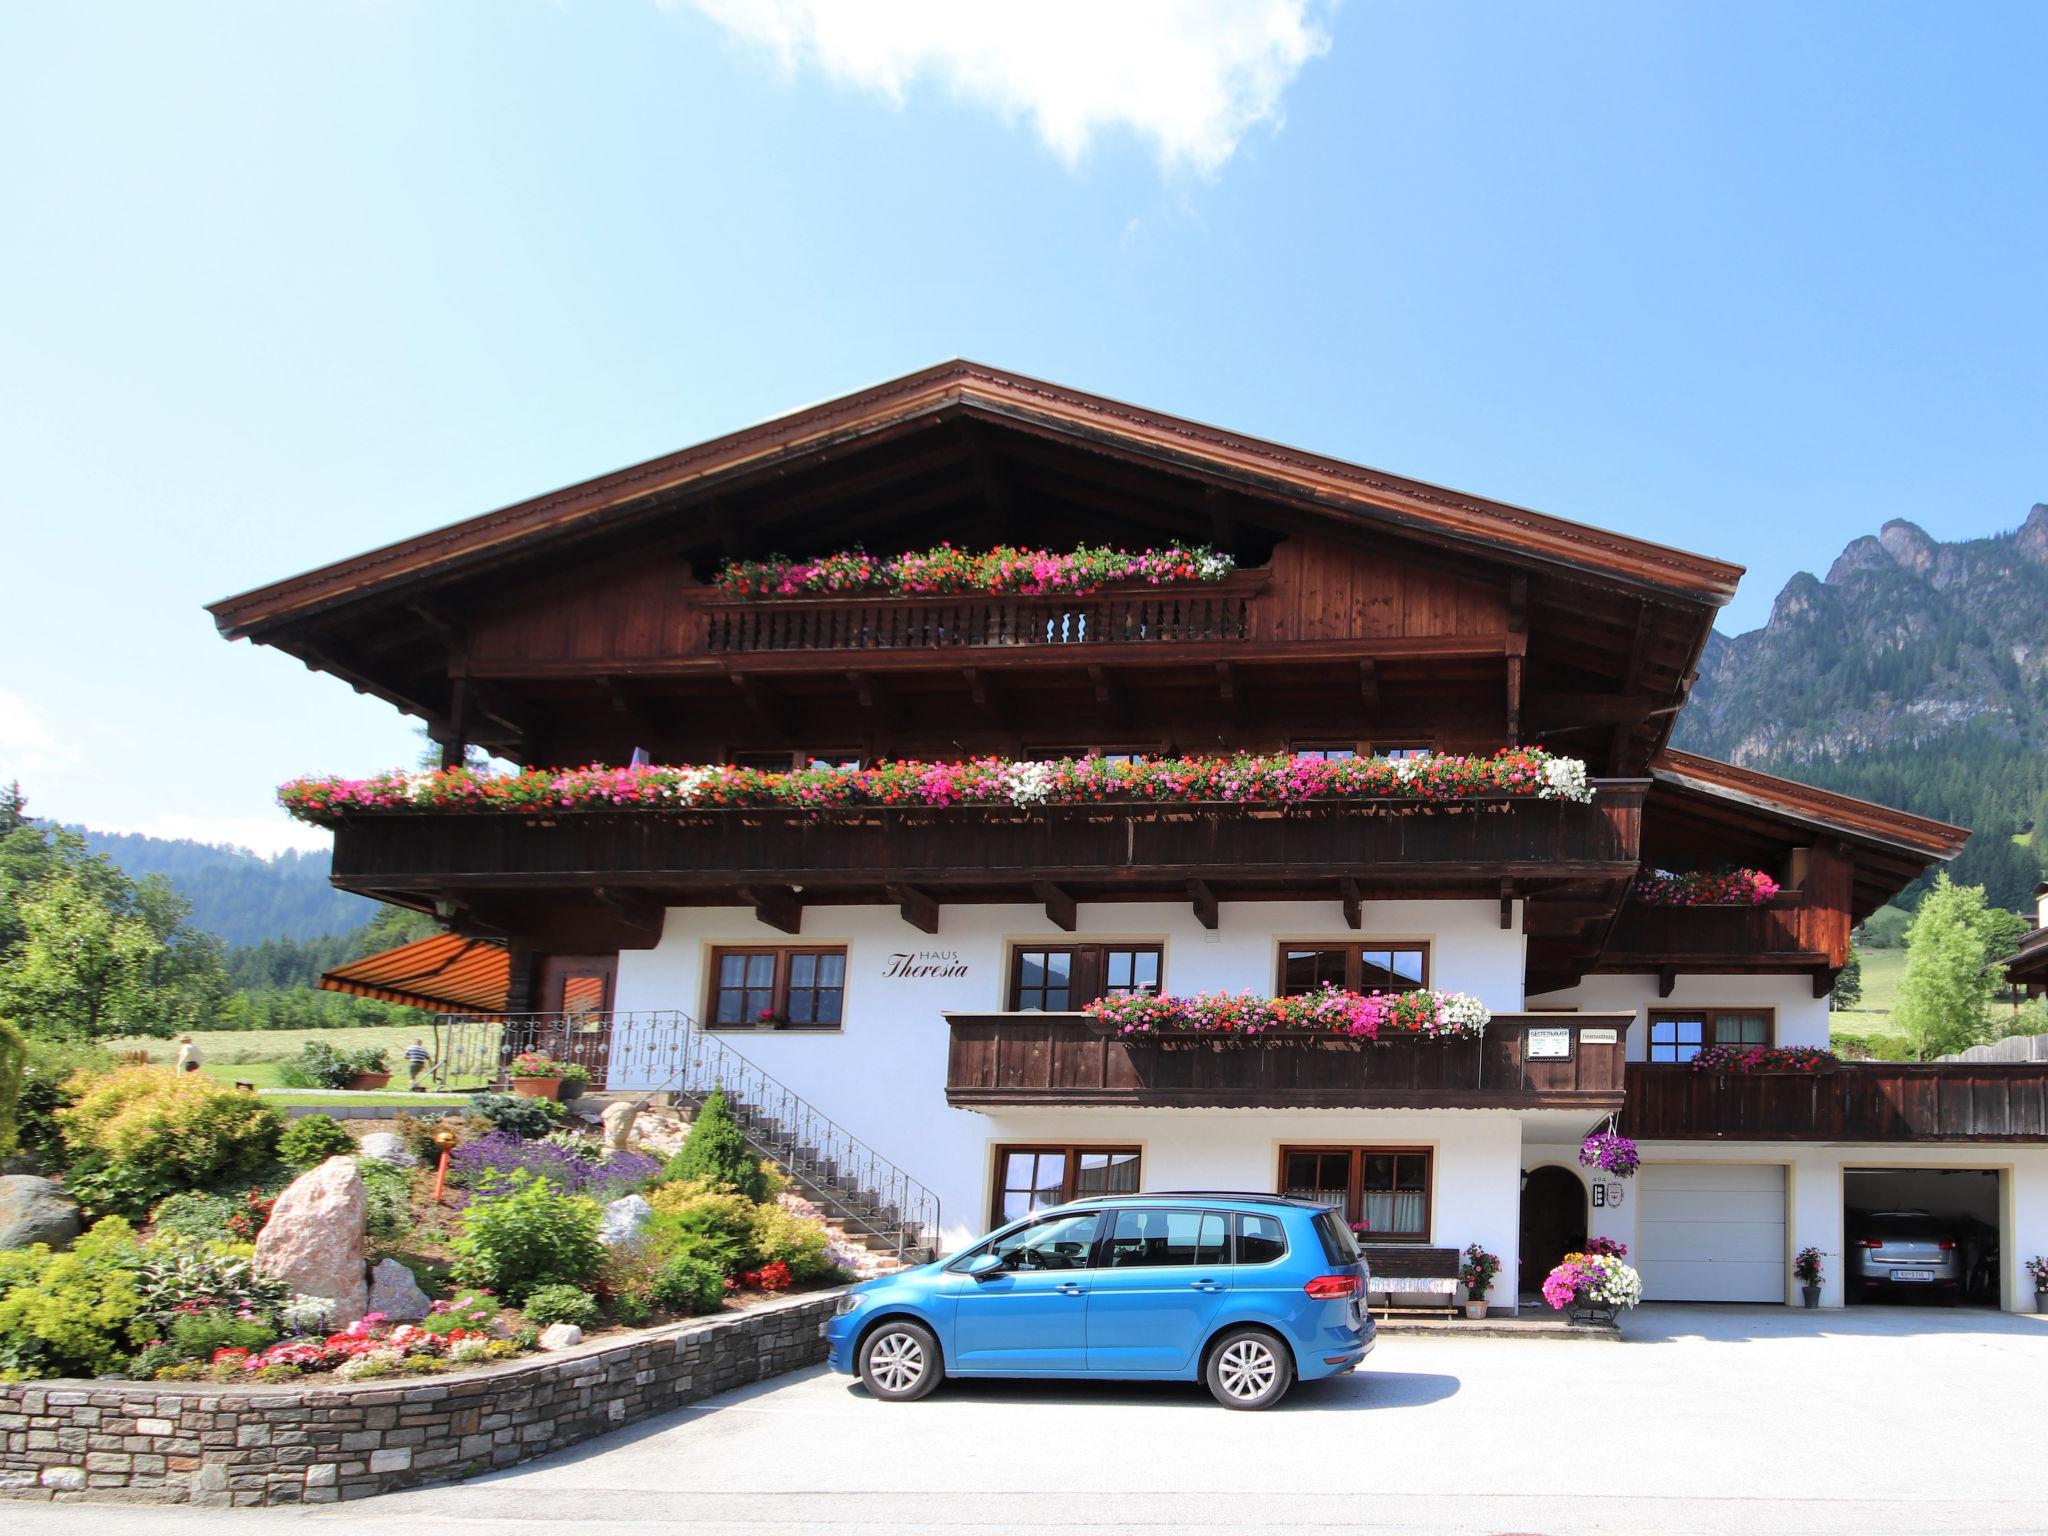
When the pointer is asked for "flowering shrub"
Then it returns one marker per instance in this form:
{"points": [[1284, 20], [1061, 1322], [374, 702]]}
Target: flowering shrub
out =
{"points": [[1355, 1015], [1003, 569], [1607, 1247], [537, 1064], [494, 1159], [2037, 1266], [769, 1277], [1708, 888], [1477, 1272], [1592, 1280], [1612, 1152], [1517, 773], [387, 1351], [1806, 1266], [1763, 1058]]}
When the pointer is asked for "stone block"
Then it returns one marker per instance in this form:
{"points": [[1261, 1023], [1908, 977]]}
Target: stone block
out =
{"points": [[397, 1459], [69, 1478], [155, 1427], [322, 1474]]}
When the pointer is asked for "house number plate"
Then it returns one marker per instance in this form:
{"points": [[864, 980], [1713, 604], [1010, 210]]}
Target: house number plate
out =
{"points": [[1549, 1045]]}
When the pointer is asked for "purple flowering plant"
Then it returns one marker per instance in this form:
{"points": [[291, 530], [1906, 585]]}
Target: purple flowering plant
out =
{"points": [[1611, 1152], [493, 1159]]}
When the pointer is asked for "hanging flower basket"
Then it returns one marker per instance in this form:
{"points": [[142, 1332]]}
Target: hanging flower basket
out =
{"points": [[1610, 1152]]}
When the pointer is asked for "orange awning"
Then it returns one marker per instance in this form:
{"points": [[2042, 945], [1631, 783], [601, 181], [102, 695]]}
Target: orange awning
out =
{"points": [[446, 973]]}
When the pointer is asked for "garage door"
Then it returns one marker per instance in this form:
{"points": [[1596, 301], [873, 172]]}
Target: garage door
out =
{"points": [[1708, 1232]]}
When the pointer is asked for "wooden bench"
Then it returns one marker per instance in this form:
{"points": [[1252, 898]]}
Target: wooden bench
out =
{"points": [[1430, 1275]]}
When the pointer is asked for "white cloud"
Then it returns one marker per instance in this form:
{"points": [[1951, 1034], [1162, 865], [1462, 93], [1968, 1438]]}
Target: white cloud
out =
{"points": [[32, 748], [267, 835], [1189, 77]]}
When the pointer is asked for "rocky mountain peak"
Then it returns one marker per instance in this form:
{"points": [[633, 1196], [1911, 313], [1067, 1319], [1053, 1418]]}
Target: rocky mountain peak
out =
{"points": [[2032, 539], [1908, 545]]}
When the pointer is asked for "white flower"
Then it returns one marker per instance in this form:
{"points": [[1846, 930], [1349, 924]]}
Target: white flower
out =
{"points": [[1462, 1013], [469, 1351], [1028, 783], [1564, 778], [1212, 565], [687, 785]]}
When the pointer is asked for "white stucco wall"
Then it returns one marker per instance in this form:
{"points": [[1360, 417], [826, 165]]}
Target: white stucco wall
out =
{"points": [[883, 1076], [1802, 1017]]}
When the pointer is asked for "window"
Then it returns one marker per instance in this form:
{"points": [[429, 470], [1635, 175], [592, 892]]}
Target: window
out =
{"points": [[1166, 1239], [1326, 751], [1064, 1242], [1031, 1178], [1381, 1191], [1368, 967], [1106, 754], [1260, 1239], [1058, 978], [799, 988], [787, 761], [1397, 750], [1679, 1036]]}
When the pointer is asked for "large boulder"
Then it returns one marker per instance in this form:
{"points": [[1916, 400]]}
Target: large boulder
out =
{"points": [[395, 1293], [314, 1240], [388, 1147], [624, 1223], [34, 1210]]}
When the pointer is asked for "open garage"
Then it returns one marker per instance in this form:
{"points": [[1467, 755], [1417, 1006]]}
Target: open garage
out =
{"points": [[1920, 1234]]}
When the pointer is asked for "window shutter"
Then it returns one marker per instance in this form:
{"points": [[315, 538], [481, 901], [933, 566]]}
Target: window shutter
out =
{"points": [[1087, 982]]}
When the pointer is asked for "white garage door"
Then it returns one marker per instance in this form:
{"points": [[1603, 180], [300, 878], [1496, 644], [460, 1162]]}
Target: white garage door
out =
{"points": [[1711, 1232]]}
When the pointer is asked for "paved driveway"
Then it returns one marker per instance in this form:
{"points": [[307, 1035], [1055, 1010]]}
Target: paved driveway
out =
{"points": [[1709, 1419]]}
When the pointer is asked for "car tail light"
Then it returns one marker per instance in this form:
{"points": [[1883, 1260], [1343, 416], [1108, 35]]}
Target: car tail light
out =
{"points": [[1332, 1287], [1871, 1242], [1948, 1245]]}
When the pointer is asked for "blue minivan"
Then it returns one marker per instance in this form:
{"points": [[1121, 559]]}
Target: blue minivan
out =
{"points": [[1248, 1293]]}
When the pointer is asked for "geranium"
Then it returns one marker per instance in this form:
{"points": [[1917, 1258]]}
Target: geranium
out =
{"points": [[1763, 1058], [934, 572], [770, 1277], [1477, 1272], [537, 1064], [1607, 1246], [1704, 888], [1612, 1152], [1514, 773], [1806, 1266], [2037, 1266], [1243, 1015], [1592, 1279]]}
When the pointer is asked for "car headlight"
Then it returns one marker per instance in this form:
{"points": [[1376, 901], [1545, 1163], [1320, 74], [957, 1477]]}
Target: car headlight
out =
{"points": [[850, 1302]]}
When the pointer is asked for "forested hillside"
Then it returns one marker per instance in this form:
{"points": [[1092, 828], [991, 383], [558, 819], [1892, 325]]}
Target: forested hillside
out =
{"points": [[239, 895], [1915, 674]]}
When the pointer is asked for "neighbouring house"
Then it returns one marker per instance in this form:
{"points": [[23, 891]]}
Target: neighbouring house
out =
{"points": [[921, 988]]}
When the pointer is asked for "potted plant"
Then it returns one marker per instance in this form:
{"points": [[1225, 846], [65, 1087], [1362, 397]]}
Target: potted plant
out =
{"points": [[1592, 1287], [371, 1070], [536, 1075], [2037, 1266], [1477, 1277], [575, 1079], [1806, 1270]]}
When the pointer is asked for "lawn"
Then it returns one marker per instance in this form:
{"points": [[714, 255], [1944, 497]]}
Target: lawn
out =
{"points": [[1882, 970], [256, 1056]]}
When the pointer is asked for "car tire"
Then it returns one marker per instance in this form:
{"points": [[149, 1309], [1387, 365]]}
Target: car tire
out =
{"points": [[899, 1361], [1248, 1368]]}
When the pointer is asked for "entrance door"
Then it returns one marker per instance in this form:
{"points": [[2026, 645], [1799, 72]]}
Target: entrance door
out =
{"points": [[1553, 1223], [577, 991]]}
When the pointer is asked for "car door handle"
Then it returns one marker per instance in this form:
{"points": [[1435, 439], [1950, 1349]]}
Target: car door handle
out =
{"points": [[1069, 1288], [1204, 1285]]}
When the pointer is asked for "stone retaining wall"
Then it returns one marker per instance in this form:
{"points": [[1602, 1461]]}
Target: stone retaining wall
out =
{"points": [[160, 1442]]}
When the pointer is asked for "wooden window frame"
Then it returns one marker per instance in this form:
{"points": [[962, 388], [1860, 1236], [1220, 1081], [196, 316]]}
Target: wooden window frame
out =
{"points": [[1317, 747], [1354, 1191], [1709, 1018], [779, 1003], [1141, 752], [1073, 1153], [1354, 965], [1099, 948], [1412, 745], [798, 758]]}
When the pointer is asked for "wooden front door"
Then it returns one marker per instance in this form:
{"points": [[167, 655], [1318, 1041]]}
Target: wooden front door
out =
{"points": [[1553, 1223], [577, 989]]}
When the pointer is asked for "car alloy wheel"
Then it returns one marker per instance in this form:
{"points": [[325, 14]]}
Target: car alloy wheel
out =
{"points": [[1249, 1370], [900, 1362]]}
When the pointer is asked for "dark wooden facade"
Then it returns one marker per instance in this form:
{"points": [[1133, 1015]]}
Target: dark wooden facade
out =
{"points": [[1063, 1059], [1854, 1102]]}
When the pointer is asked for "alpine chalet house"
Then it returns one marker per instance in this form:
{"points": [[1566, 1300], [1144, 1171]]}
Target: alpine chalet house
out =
{"points": [[1310, 829]]}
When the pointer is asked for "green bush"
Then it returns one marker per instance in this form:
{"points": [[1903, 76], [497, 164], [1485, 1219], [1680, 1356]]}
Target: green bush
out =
{"points": [[182, 1129], [175, 1275], [781, 1236], [704, 1222], [320, 1065], [560, 1304], [76, 1313], [196, 1335], [528, 1236], [199, 1217], [49, 1065], [472, 1311], [716, 1153], [686, 1284], [389, 1191], [631, 1308], [312, 1139], [531, 1118], [105, 1188]]}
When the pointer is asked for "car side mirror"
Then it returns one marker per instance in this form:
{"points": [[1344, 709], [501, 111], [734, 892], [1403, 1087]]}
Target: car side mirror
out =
{"points": [[982, 1266]]}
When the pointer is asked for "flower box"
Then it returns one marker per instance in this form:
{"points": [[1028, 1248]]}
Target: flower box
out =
{"points": [[1330, 1016]]}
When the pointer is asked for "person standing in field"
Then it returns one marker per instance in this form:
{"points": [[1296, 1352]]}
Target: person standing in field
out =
{"points": [[417, 1058], [188, 1054]]}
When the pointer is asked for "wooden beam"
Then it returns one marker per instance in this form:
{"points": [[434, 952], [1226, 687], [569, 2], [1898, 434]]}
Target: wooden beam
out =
{"points": [[777, 906], [1227, 688], [986, 697], [759, 699], [1060, 906], [1514, 699], [454, 737], [1369, 687], [1507, 906], [876, 697], [920, 908], [1110, 694], [1667, 981], [1518, 604], [1203, 900], [1354, 909], [634, 910]]}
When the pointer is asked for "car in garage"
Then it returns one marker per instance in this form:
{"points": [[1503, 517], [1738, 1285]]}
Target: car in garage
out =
{"points": [[1897, 1252], [1247, 1293]]}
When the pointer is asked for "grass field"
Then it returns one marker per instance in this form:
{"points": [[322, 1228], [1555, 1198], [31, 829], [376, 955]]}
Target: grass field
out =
{"points": [[1882, 969], [258, 1056]]}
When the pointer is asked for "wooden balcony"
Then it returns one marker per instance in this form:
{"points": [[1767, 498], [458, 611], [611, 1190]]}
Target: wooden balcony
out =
{"points": [[1856, 1101], [1804, 930], [1053, 1059], [1131, 617]]}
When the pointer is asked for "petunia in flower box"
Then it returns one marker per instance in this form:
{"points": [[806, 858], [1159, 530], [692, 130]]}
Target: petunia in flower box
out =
{"points": [[1708, 888], [1327, 1015], [1004, 570], [1764, 1058]]}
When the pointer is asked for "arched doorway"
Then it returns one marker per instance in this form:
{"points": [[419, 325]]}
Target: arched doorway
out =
{"points": [[1553, 1222]]}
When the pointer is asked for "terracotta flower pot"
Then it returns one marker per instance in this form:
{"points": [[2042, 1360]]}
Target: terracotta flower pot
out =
{"points": [[1475, 1310], [369, 1082], [537, 1087]]}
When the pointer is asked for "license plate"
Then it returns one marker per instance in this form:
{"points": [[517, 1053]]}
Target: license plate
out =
{"points": [[1912, 1274]]}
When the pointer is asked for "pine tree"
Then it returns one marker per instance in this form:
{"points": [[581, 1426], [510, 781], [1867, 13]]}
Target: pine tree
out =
{"points": [[1849, 984], [1950, 979], [716, 1151]]}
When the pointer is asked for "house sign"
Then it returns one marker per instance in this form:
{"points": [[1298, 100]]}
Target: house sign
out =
{"points": [[1548, 1045], [918, 964]]}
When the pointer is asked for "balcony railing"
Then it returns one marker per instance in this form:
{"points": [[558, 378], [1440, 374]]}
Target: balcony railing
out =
{"points": [[1524, 1061], [1855, 1101], [1146, 616]]}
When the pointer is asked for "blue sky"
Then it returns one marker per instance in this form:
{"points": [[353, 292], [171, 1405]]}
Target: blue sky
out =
{"points": [[284, 282]]}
